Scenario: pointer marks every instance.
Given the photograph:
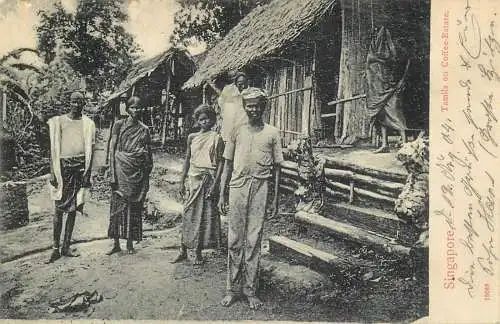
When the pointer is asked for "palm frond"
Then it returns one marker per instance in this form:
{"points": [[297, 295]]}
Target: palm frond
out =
{"points": [[25, 66], [16, 53]]}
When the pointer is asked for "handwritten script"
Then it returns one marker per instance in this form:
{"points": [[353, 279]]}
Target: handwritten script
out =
{"points": [[466, 162]]}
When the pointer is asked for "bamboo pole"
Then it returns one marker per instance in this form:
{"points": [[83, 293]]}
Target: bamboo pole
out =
{"points": [[367, 180], [289, 92], [4, 106], [392, 176], [334, 102]]}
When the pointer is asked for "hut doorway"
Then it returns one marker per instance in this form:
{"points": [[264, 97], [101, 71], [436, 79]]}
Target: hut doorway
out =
{"points": [[327, 61]]}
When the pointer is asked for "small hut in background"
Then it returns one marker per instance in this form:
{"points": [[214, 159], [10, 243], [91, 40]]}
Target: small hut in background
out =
{"points": [[157, 81], [311, 57]]}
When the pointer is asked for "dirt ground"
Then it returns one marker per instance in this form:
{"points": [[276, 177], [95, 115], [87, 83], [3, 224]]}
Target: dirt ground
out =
{"points": [[147, 286]]}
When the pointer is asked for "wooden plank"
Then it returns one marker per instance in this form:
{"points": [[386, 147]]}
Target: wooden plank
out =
{"points": [[289, 165], [362, 192], [352, 233], [278, 244], [374, 195], [287, 188], [336, 194], [306, 110], [368, 180], [388, 175]]}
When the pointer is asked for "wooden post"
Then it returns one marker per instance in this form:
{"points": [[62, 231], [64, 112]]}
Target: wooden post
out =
{"points": [[338, 108], [313, 96], [167, 101], [204, 97], [4, 107], [351, 192]]}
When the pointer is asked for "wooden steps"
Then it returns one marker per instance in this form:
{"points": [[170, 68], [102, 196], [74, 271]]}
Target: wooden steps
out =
{"points": [[352, 233], [303, 254], [373, 219]]}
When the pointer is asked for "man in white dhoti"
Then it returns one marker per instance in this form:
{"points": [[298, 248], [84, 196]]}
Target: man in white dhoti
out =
{"points": [[72, 138]]}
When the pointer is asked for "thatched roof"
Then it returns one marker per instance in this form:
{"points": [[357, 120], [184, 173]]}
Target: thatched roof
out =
{"points": [[263, 31], [145, 67]]}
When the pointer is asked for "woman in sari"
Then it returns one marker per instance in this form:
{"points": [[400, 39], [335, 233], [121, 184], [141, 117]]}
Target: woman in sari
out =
{"points": [[202, 169], [130, 165]]}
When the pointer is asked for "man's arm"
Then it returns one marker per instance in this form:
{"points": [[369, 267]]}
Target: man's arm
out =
{"points": [[185, 169], [226, 176], [112, 148], [87, 175], [277, 178], [278, 159], [220, 165]]}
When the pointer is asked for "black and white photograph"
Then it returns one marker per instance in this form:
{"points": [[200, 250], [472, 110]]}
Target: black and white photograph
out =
{"points": [[215, 160]]}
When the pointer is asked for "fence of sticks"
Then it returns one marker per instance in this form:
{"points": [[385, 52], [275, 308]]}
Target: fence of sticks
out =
{"points": [[351, 183]]}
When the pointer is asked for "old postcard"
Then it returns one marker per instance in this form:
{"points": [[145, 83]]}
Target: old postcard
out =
{"points": [[257, 160]]}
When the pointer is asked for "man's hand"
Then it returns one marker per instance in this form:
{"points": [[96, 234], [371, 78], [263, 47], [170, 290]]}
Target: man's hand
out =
{"points": [[222, 205], [53, 180], [182, 190], [114, 184], [273, 210], [211, 191], [86, 180]]}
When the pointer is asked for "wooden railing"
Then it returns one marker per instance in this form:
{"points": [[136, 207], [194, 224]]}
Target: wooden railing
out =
{"points": [[350, 181]]}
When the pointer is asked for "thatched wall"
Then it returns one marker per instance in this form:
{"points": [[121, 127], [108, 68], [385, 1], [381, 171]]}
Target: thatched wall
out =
{"points": [[408, 22]]}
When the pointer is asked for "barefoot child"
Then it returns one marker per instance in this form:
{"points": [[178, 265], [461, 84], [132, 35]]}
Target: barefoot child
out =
{"points": [[252, 152], [202, 167]]}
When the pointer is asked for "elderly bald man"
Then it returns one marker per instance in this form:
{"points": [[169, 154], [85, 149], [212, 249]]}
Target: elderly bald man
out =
{"points": [[72, 138]]}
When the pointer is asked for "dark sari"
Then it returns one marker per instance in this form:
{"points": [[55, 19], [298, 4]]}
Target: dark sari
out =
{"points": [[132, 166]]}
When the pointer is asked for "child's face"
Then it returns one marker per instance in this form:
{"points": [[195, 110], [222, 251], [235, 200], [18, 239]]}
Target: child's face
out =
{"points": [[205, 122]]}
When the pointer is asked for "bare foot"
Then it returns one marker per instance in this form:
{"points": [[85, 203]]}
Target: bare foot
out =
{"points": [[254, 302], [229, 300], [198, 260], [70, 254], [131, 251], [382, 149], [54, 256], [180, 257], [115, 249]]}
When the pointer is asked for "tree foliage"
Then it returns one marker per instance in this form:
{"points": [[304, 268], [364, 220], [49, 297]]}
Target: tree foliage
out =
{"points": [[209, 20], [93, 40]]}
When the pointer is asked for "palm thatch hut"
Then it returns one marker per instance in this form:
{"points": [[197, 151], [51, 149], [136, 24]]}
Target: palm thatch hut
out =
{"points": [[157, 81], [311, 57]]}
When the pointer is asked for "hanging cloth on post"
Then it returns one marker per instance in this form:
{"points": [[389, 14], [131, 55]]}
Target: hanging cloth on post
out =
{"points": [[384, 102]]}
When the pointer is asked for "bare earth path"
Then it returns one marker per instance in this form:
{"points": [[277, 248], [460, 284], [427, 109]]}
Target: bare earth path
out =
{"points": [[140, 286], [146, 285]]}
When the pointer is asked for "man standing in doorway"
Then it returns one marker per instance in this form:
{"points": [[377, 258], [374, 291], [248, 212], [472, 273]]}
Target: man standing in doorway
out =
{"points": [[72, 139], [231, 105], [252, 153]]}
